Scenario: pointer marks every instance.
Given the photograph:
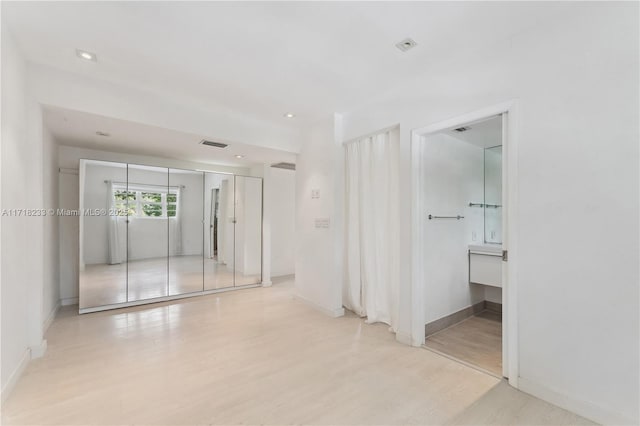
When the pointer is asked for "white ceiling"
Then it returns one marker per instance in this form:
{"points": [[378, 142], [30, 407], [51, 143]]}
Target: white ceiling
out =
{"points": [[77, 128], [264, 58], [483, 134]]}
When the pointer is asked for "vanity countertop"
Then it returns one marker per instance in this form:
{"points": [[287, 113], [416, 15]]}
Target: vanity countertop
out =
{"points": [[486, 248]]}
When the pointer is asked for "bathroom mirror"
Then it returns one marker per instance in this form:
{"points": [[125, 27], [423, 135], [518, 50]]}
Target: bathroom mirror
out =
{"points": [[493, 194]]}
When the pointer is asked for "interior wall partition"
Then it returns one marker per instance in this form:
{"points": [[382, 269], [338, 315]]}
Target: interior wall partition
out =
{"points": [[150, 234]]}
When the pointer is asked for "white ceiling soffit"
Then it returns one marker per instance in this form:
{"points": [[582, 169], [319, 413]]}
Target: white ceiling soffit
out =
{"points": [[75, 128], [266, 59], [483, 133]]}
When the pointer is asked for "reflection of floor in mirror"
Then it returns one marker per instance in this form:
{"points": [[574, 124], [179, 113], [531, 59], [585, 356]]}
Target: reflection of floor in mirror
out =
{"points": [[107, 284]]}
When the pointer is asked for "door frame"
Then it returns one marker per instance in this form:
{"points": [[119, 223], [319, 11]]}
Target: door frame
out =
{"points": [[508, 110]]}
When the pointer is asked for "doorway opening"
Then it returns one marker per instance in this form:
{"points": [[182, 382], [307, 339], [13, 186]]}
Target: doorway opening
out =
{"points": [[461, 269]]}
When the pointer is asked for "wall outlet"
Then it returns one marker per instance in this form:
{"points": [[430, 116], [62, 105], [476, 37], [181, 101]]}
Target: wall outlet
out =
{"points": [[315, 193]]}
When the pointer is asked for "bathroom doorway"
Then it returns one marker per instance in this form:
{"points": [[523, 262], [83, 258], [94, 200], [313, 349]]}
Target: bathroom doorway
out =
{"points": [[461, 264]]}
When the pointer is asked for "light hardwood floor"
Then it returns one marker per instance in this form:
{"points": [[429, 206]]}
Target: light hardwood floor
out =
{"points": [[476, 340], [255, 356]]}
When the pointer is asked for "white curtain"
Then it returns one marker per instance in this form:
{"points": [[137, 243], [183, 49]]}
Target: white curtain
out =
{"points": [[176, 224], [371, 285], [114, 229]]}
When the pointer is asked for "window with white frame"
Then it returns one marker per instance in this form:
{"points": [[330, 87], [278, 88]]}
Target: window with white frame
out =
{"points": [[143, 202]]}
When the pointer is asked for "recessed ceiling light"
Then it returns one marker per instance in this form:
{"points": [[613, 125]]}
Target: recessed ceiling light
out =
{"points": [[406, 44], [239, 156], [290, 115], [87, 56], [99, 133]]}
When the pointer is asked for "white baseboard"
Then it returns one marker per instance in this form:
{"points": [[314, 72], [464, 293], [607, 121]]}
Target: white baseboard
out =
{"points": [[266, 283], [51, 317], [277, 279], [38, 351], [333, 313], [15, 376], [69, 301], [583, 408]]}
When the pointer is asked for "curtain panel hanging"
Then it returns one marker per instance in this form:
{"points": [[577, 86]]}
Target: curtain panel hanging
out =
{"points": [[372, 264]]}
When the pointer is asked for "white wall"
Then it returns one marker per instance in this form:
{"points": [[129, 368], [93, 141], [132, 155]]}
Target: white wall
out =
{"points": [[69, 232], [68, 159], [283, 221], [51, 267], [452, 177], [319, 250], [576, 84], [22, 237]]}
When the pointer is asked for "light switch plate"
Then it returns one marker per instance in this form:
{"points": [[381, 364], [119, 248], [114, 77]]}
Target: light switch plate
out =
{"points": [[322, 223]]}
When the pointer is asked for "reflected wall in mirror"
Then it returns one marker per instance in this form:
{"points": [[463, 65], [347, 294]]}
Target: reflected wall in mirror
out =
{"points": [[248, 230], [148, 242], [184, 207], [493, 194], [103, 233], [219, 230]]}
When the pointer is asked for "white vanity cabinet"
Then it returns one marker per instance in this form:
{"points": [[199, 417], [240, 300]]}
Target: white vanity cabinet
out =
{"points": [[485, 264]]}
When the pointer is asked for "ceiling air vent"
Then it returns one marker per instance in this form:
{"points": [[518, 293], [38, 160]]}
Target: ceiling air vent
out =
{"points": [[406, 44], [462, 129], [286, 166], [214, 144]]}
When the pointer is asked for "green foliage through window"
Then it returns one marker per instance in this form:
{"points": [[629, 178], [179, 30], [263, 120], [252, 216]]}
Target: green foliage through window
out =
{"points": [[146, 204], [152, 210]]}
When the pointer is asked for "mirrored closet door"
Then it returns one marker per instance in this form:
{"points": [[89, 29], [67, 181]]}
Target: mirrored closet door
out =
{"points": [[148, 239], [248, 235], [103, 205], [184, 225], [151, 233], [219, 231]]}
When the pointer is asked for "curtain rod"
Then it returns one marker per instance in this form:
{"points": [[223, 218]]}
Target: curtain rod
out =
{"points": [[144, 184], [368, 135]]}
